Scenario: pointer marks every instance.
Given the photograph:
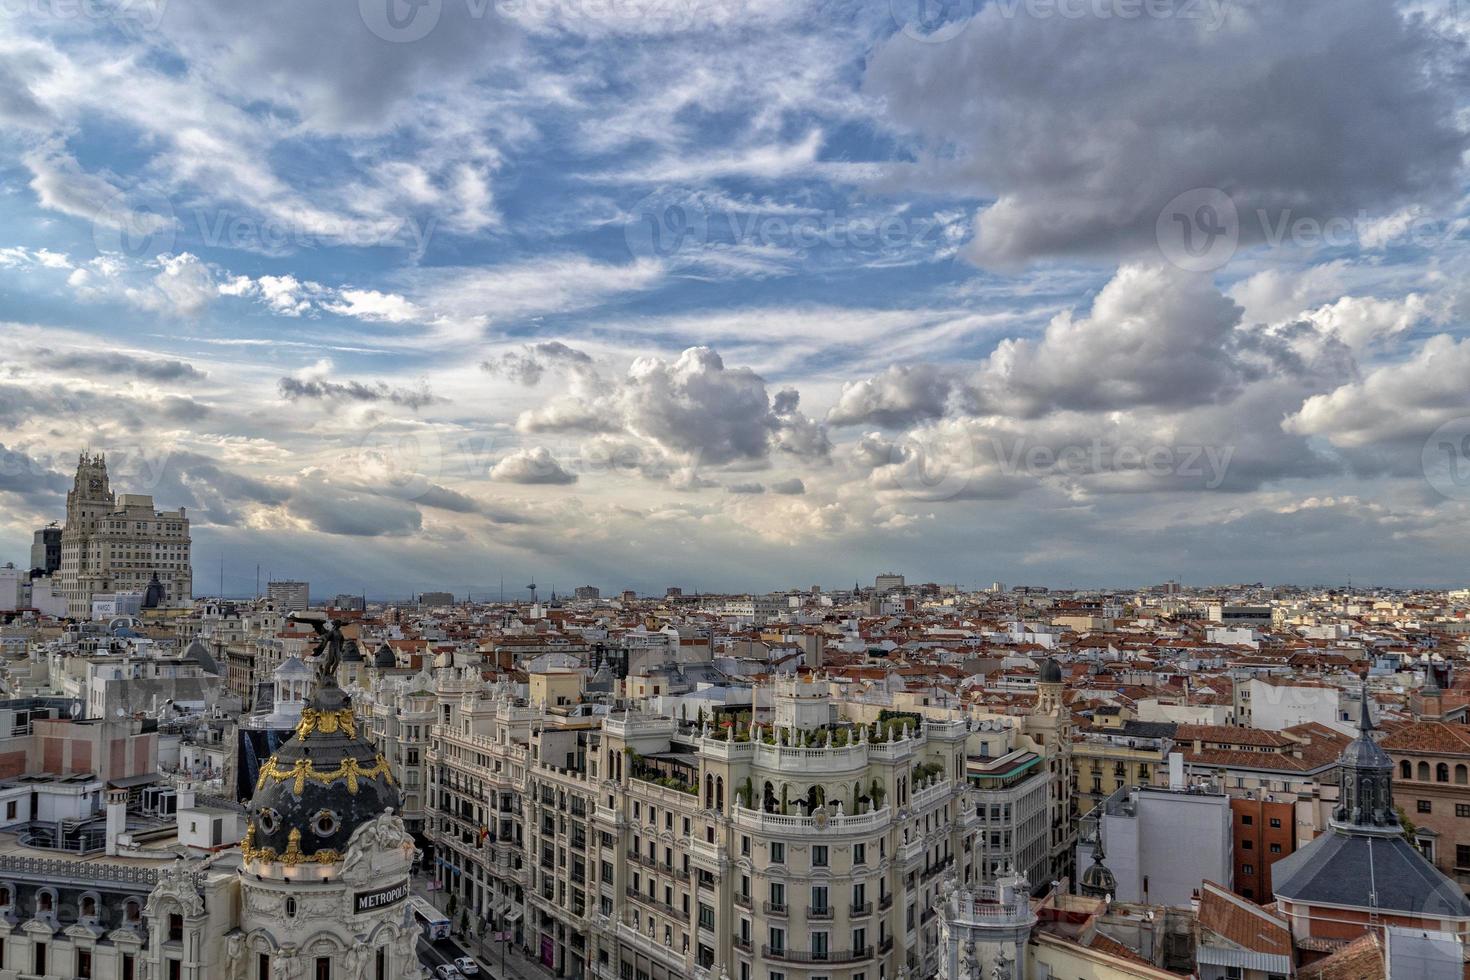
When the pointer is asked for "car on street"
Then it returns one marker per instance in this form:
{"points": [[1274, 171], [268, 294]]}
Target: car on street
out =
{"points": [[467, 966], [449, 972]]}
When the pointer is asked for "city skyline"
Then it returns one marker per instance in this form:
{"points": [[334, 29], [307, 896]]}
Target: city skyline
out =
{"points": [[744, 295]]}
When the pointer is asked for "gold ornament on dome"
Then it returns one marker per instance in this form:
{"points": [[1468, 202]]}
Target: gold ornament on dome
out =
{"points": [[350, 770], [293, 855], [327, 722]]}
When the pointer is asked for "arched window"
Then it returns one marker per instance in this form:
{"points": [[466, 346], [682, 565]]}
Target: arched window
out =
{"points": [[89, 907], [1406, 770], [1442, 772], [45, 901], [5, 897], [1423, 772]]}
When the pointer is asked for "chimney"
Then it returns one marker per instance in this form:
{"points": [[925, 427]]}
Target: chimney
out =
{"points": [[185, 796], [1176, 770], [117, 818]]}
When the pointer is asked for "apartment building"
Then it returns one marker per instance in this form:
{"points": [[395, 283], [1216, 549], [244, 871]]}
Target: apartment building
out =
{"points": [[1116, 753], [629, 845], [401, 712], [115, 543], [1432, 780], [1010, 794], [288, 595]]}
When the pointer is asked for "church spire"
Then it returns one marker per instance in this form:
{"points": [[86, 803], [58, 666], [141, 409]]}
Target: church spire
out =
{"points": [[1365, 797]]}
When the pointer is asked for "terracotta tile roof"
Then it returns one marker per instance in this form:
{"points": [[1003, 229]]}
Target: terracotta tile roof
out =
{"points": [[1234, 735], [1361, 959], [1242, 922], [1112, 947], [1427, 736]]}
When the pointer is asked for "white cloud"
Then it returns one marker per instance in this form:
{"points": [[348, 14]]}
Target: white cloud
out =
{"points": [[532, 466]]}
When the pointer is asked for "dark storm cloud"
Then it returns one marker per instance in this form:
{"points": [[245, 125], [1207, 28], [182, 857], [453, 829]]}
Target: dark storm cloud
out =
{"points": [[112, 363], [323, 390], [1083, 128]]}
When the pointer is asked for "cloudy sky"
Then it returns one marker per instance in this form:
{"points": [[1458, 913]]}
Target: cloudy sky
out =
{"points": [[742, 294]]}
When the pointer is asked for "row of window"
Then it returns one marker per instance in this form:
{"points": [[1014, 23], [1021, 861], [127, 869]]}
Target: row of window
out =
{"points": [[1427, 806], [1441, 772]]}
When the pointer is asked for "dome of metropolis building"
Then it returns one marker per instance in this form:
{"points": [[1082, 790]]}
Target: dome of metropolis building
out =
{"points": [[326, 860], [322, 784]]}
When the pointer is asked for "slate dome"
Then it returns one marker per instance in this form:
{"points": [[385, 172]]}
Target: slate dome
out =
{"points": [[319, 787]]}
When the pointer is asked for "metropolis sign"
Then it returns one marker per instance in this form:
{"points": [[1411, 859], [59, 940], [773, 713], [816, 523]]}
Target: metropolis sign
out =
{"points": [[379, 898]]}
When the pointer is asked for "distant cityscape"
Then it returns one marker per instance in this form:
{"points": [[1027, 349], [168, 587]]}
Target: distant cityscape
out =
{"points": [[884, 780]]}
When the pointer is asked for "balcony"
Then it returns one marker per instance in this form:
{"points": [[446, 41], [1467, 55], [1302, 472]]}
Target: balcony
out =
{"points": [[742, 901], [668, 910], [712, 855], [885, 944], [885, 902], [666, 954], [818, 956], [858, 911], [930, 795], [659, 866], [759, 820], [825, 912], [741, 943], [775, 908], [935, 870]]}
